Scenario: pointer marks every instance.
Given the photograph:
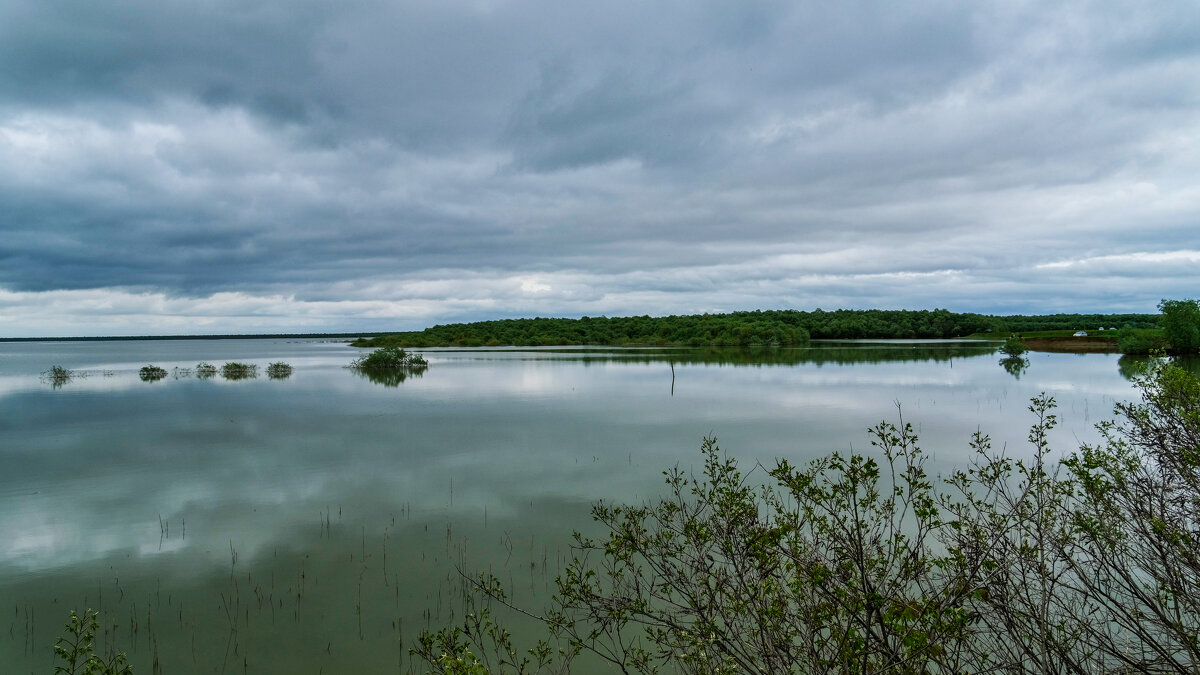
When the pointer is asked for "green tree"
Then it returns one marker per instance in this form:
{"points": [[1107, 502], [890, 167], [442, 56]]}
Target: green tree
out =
{"points": [[1181, 324], [1014, 346]]}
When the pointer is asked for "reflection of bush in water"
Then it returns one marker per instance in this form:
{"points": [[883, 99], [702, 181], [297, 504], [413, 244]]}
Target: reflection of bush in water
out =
{"points": [[1015, 365], [152, 373], [391, 377], [1132, 366]]}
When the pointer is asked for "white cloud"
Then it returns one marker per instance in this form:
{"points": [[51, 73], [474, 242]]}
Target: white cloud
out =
{"points": [[362, 165]]}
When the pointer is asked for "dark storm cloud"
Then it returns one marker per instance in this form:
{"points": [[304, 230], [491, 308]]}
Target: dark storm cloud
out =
{"points": [[374, 161]]}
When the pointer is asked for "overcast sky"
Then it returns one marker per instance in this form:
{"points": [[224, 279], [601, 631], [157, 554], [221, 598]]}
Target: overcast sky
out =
{"points": [[192, 166]]}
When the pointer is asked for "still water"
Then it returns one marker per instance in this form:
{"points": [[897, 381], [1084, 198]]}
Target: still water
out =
{"points": [[314, 524]]}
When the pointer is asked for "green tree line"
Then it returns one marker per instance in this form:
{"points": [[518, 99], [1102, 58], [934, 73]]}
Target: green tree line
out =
{"points": [[769, 328], [1090, 322], [743, 329]]}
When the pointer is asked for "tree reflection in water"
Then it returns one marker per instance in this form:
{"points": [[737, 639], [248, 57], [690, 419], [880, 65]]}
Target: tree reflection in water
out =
{"points": [[390, 377], [1015, 365]]}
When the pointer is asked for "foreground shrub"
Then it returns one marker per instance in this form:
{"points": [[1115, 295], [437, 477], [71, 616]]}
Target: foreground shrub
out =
{"points": [[861, 563], [279, 370], [77, 649], [152, 373]]}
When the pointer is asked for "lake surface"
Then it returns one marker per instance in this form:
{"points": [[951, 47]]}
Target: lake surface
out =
{"points": [[314, 524]]}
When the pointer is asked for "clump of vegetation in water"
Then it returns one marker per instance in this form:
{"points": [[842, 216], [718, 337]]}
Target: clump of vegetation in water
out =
{"points": [[279, 370], [1014, 361], [239, 371], [77, 649], [57, 376], [1014, 347], [205, 370], [152, 373], [390, 358]]}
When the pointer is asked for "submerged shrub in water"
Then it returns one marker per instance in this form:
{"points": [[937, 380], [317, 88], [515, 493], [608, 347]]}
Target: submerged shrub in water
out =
{"points": [[152, 373], [1014, 347], [390, 358], [238, 371], [58, 376], [205, 370], [279, 370]]}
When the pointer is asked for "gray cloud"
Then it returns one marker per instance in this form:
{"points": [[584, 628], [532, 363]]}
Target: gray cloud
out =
{"points": [[374, 164]]}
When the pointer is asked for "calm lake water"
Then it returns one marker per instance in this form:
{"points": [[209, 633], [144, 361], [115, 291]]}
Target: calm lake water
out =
{"points": [[313, 524]]}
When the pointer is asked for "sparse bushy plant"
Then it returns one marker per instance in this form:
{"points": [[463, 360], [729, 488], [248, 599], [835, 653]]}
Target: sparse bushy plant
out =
{"points": [[152, 373], [389, 358], [238, 371], [57, 376], [279, 370], [1014, 346], [77, 650]]}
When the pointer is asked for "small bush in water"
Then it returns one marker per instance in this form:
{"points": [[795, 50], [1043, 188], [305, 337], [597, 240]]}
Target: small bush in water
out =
{"points": [[279, 370], [205, 370], [389, 358], [152, 373], [238, 371], [58, 376]]}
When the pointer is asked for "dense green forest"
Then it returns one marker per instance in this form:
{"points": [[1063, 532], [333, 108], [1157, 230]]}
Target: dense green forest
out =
{"points": [[770, 327], [1023, 324]]}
